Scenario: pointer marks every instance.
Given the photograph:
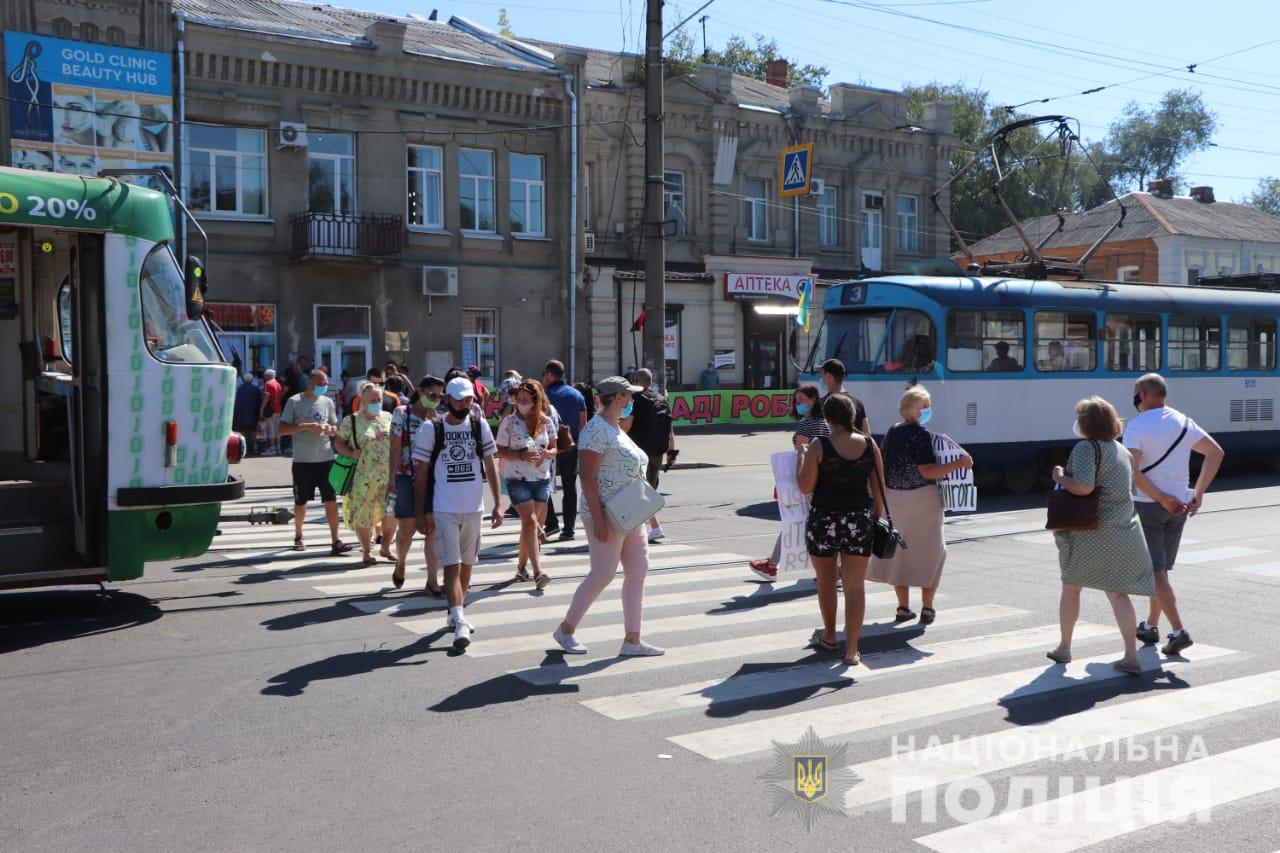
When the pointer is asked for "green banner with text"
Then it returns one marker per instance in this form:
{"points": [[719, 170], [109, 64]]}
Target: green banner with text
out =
{"points": [[749, 408]]}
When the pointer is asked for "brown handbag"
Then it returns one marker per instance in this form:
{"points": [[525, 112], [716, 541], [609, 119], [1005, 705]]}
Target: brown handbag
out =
{"points": [[1069, 512], [564, 439]]}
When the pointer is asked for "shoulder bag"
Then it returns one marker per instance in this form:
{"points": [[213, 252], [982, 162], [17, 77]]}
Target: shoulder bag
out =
{"points": [[564, 439], [633, 505], [1067, 512], [885, 538], [342, 473]]}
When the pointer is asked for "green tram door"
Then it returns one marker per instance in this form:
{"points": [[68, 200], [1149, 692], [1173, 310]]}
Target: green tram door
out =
{"points": [[52, 407]]}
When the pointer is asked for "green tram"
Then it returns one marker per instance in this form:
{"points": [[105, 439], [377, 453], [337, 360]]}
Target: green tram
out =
{"points": [[116, 402]]}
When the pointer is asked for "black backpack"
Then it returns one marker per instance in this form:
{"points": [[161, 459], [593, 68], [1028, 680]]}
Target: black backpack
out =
{"points": [[655, 438], [438, 446]]}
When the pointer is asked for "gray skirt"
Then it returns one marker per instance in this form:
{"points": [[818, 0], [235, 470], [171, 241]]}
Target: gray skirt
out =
{"points": [[917, 513]]}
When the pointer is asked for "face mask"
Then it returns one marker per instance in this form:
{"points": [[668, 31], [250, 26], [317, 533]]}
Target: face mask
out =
{"points": [[803, 409], [626, 410], [1075, 428], [316, 390], [926, 415], [459, 413], [374, 409], [524, 408], [1137, 402]]}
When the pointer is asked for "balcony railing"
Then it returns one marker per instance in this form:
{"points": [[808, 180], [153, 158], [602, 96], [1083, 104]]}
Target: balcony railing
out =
{"points": [[369, 236]]}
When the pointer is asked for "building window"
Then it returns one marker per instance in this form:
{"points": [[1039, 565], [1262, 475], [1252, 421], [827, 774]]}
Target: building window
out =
{"points": [[673, 192], [828, 217], [62, 28], [585, 198], [755, 210], [475, 193], [88, 32], [872, 225], [426, 186], [480, 341], [528, 194], [1264, 263], [986, 340], [1193, 275], [1065, 341], [246, 333], [1251, 344], [908, 223], [1195, 343], [1130, 273], [115, 36], [1224, 263], [226, 170], [331, 173], [1132, 343]]}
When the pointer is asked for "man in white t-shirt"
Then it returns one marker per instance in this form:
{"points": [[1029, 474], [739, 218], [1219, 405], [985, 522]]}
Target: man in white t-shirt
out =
{"points": [[1161, 439], [449, 494]]}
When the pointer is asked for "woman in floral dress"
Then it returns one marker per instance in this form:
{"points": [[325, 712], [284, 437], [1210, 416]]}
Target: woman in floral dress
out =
{"points": [[366, 437]]}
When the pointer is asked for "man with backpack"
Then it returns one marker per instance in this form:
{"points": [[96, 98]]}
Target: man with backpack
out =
{"points": [[650, 427], [451, 461]]}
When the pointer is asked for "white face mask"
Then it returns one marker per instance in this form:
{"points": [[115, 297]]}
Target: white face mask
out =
{"points": [[524, 408], [1075, 428]]}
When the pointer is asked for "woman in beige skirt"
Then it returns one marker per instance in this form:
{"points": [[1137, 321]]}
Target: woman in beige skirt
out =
{"points": [[911, 469]]}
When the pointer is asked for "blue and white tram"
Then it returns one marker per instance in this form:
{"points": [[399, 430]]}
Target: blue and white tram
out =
{"points": [[1005, 359]]}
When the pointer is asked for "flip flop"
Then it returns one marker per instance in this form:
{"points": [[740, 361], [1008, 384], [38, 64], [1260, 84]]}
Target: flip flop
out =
{"points": [[817, 642], [397, 577], [853, 661], [434, 593], [297, 544]]}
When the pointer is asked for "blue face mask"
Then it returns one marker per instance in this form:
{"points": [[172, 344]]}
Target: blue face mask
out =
{"points": [[803, 409], [374, 409], [926, 415], [627, 409]]}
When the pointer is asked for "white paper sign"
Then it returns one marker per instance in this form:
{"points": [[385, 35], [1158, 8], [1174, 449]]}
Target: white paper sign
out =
{"points": [[958, 491], [793, 506]]}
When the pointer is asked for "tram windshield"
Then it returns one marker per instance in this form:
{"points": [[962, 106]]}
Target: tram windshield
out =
{"points": [[892, 341], [170, 334]]}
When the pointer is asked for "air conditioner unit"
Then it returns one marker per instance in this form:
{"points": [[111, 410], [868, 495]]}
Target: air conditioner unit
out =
{"points": [[589, 243], [439, 281], [291, 134], [873, 202], [817, 186]]}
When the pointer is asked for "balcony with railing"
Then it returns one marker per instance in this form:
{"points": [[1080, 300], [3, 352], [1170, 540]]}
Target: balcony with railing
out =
{"points": [[375, 237]]}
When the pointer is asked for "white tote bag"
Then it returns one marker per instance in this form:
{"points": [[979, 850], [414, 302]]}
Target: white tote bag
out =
{"points": [[633, 505]]}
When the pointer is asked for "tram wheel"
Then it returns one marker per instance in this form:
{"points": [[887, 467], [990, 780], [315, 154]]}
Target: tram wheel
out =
{"points": [[1020, 481]]}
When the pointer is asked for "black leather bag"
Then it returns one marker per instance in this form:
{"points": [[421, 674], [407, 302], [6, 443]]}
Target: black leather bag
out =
{"points": [[885, 538], [1068, 512]]}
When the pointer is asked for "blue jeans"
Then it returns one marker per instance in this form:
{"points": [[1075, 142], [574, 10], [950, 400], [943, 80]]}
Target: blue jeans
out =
{"points": [[523, 491]]}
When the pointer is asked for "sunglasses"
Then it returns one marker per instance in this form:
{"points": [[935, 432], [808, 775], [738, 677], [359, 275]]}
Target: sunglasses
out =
{"points": [[433, 397]]}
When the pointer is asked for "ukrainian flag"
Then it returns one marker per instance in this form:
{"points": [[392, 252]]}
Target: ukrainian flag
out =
{"points": [[806, 302]]}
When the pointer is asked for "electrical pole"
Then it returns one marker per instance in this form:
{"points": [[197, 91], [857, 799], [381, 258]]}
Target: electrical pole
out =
{"points": [[655, 278]]}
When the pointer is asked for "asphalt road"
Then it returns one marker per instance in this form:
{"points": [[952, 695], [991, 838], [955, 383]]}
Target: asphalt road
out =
{"points": [[253, 699]]}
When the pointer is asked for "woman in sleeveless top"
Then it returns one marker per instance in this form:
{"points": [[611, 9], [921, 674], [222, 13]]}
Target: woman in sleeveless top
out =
{"points": [[839, 472]]}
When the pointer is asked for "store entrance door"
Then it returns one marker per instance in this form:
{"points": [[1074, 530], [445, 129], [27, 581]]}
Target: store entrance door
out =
{"points": [[765, 337]]}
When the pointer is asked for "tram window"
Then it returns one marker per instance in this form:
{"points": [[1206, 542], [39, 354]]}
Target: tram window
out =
{"points": [[170, 335], [1251, 344], [994, 341], [1132, 342], [64, 318], [900, 341], [1195, 343], [1065, 341]]}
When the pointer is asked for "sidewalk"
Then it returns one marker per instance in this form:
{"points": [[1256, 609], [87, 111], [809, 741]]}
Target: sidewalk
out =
{"points": [[700, 449]]}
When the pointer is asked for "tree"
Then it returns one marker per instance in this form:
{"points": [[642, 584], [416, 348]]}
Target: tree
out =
{"points": [[753, 61], [504, 25], [1153, 144], [1266, 196]]}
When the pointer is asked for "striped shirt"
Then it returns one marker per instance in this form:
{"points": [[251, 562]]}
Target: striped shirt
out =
{"points": [[812, 427]]}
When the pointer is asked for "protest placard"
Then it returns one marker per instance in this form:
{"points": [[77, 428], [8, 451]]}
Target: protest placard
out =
{"points": [[793, 506], [958, 491]]}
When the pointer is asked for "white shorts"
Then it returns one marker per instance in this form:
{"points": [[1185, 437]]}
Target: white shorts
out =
{"points": [[273, 427], [458, 537]]}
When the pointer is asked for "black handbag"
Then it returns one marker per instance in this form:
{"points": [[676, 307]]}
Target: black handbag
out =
{"points": [[885, 538], [1067, 512]]}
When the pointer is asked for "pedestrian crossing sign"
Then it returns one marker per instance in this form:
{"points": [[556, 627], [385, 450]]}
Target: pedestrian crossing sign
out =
{"points": [[797, 170]]}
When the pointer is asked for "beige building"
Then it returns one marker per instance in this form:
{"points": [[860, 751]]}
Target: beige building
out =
{"points": [[742, 249]]}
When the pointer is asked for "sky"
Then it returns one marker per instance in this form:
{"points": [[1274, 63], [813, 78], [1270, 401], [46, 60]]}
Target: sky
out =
{"points": [[1018, 50]]}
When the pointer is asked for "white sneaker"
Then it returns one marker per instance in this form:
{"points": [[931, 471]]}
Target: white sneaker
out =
{"points": [[656, 535], [568, 642], [640, 649], [462, 635], [448, 623]]}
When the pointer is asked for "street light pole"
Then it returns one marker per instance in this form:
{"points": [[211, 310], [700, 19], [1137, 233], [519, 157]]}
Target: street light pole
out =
{"points": [[655, 250]]}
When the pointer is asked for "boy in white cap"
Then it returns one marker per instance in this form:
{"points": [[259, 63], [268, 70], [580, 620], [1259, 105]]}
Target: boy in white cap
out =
{"points": [[452, 459]]}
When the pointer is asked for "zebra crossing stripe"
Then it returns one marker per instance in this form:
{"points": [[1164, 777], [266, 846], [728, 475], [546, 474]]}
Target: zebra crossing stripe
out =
{"points": [[1184, 791], [563, 672], [904, 707], [742, 594], [738, 688], [1213, 555], [703, 621], [942, 764], [560, 589]]}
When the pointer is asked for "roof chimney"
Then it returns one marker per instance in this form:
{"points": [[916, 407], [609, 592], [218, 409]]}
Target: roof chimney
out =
{"points": [[1161, 188], [1204, 195], [775, 73]]}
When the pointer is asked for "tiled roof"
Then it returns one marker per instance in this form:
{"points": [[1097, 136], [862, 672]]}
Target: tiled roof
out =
{"points": [[1146, 216], [333, 23]]}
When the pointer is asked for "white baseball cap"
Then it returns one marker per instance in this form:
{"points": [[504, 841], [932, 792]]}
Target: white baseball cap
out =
{"points": [[460, 388]]}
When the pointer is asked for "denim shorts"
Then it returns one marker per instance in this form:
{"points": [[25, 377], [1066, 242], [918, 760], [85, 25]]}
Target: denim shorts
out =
{"points": [[404, 497], [523, 491]]}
